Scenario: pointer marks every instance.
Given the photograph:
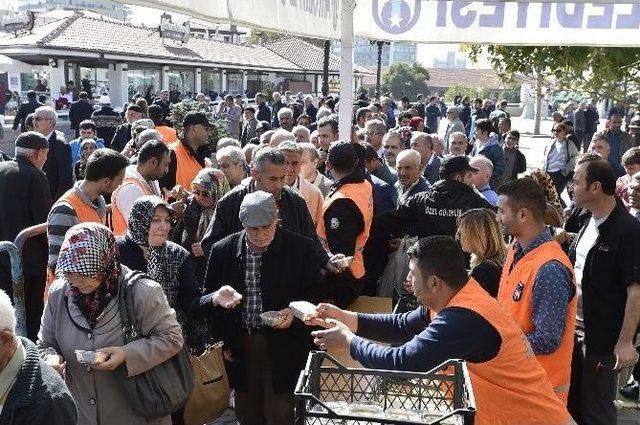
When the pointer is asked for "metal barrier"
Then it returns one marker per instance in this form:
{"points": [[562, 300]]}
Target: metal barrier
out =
{"points": [[17, 273], [18, 286]]}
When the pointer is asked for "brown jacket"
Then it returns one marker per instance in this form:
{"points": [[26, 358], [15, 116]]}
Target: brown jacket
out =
{"points": [[97, 393]]}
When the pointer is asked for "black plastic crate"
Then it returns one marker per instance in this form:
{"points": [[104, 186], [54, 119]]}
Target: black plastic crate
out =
{"points": [[328, 393]]}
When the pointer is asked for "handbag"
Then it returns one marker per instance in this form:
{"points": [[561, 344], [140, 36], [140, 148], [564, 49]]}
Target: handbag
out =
{"points": [[162, 389], [210, 396]]}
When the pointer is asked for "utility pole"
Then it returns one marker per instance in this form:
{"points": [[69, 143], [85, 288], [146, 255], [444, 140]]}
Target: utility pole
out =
{"points": [[325, 69], [379, 69]]}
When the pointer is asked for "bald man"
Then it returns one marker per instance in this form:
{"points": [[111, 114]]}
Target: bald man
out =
{"points": [[410, 178]]}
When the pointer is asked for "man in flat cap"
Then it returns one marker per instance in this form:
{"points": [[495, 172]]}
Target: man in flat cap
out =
{"points": [[270, 267], [26, 200]]}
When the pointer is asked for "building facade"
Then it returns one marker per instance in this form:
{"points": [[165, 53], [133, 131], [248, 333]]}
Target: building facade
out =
{"points": [[366, 54], [104, 7]]}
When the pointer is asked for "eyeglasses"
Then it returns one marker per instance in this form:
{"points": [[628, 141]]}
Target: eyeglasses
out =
{"points": [[201, 193], [557, 130]]}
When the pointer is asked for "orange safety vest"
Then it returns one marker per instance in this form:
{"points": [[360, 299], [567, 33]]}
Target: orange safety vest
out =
{"points": [[120, 225], [186, 165], [169, 135], [512, 388], [85, 213], [516, 296], [362, 195]]}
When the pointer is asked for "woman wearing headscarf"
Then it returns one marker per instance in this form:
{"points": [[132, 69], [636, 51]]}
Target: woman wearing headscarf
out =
{"points": [[553, 213], [209, 185], [82, 313], [145, 248]]}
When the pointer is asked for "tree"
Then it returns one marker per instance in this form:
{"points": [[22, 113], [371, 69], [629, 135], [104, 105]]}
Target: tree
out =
{"points": [[459, 90], [599, 72], [403, 79]]}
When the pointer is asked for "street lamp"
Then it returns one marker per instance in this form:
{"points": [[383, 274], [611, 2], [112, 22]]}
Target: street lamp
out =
{"points": [[380, 44]]}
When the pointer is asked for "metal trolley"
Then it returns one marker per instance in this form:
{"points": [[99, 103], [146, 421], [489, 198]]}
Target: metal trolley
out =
{"points": [[329, 393]]}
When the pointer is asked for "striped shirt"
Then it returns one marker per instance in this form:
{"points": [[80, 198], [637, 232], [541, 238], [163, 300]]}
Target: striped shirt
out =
{"points": [[62, 217]]}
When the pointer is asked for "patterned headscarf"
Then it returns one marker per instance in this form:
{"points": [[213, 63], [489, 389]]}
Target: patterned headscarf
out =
{"points": [[405, 135], [90, 249], [164, 261], [544, 181], [215, 183]]}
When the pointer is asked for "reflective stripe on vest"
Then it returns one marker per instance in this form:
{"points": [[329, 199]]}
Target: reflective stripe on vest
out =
{"points": [[515, 294], [186, 165], [362, 195], [120, 225], [511, 388]]}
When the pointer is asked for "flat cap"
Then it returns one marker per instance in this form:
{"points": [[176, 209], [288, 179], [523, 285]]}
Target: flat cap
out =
{"points": [[258, 209], [32, 140]]}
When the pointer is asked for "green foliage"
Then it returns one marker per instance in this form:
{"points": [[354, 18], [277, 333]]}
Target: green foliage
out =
{"points": [[268, 88], [179, 110], [404, 79], [459, 89], [599, 72]]}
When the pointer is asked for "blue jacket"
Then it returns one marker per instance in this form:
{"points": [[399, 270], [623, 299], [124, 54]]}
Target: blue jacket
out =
{"points": [[494, 153], [75, 148], [385, 196]]}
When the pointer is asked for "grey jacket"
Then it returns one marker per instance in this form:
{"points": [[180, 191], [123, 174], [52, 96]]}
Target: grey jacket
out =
{"points": [[97, 393], [571, 156]]}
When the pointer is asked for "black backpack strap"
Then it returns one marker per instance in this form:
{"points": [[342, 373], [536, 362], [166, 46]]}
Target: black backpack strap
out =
{"points": [[130, 329]]}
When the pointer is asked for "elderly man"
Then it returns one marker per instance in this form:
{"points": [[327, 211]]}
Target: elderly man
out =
{"points": [[190, 153], [347, 214], [33, 392], [374, 164], [123, 132], [482, 177], [392, 145], [309, 109], [268, 173], [270, 266], [309, 169], [106, 119], [279, 136], [285, 118], [232, 114], [232, 162], [453, 125], [249, 126], [311, 194], [423, 144], [374, 133], [537, 286], [139, 180], [25, 202], [58, 167], [458, 144], [276, 106], [301, 133], [619, 140], [410, 179]]}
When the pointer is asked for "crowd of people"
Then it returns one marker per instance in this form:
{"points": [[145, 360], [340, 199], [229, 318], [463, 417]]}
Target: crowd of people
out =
{"points": [[531, 275]]}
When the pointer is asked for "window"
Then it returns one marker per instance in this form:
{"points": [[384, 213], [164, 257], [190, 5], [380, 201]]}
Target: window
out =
{"points": [[144, 80]]}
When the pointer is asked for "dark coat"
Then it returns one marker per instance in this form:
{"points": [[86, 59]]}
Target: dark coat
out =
{"points": [[58, 167], [288, 273], [121, 138], [264, 113], [79, 111], [25, 109], [293, 212], [30, 201], [311, 112], [432, 171], [107, 120], [385, 195], [39, 396], [422, 186]]}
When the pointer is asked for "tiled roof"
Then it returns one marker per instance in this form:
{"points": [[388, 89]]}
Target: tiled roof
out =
{"points": [[307, 56], [81, 32]]}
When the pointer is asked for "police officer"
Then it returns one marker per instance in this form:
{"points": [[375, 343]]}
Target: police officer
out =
{"points": [[346, 220], [435, 212]]}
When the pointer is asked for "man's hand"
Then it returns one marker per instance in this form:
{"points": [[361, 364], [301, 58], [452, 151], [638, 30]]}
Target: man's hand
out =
{"points": [[116, 358], [288, 313], [626, 355], [336, 337], [226, 297], [196, 249]]}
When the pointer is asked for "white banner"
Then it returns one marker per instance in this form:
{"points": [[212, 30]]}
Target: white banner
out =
{"points": [[491, 22], [431, 21]]}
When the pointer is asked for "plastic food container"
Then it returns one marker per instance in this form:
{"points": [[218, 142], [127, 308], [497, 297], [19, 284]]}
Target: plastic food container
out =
{"points": [[91, 357], [303, 310]]}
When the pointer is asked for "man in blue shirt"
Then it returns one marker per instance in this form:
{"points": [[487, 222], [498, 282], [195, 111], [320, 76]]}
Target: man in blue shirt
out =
{"points": [[481, 178]]}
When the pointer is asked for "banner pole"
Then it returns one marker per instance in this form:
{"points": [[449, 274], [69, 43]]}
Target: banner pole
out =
{"points": [[346, 68]]}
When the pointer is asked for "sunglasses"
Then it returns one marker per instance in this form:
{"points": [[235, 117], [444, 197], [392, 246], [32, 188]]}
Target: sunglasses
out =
{"points": [[201, 193]]}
